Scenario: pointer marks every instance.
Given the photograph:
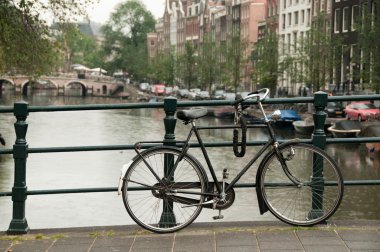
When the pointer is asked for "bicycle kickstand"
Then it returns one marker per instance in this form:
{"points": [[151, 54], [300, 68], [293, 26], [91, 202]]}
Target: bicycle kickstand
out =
{"points": [[219, 216]]}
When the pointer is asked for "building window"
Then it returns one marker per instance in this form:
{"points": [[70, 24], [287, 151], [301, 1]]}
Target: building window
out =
{"points": [[337, 20], [284, 4], [296, 18], [328, 7], [354, 17], [308, 17], [289, 42], [283, 21], [283, 44], [289, 19], [302, 16], [295, 40], [345, 19]]}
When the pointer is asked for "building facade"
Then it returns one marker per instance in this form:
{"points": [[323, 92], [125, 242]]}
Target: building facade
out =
{"points": [[292, 20]]}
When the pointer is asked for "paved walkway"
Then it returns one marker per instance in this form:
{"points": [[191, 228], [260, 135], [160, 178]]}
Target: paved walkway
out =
{"points": [[236, 237]]}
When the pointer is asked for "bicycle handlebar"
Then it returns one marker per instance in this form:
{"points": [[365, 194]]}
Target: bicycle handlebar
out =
{"points": [[260, 95]]}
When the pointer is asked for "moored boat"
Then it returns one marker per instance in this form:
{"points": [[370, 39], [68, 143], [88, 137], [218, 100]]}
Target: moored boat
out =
{"points": [[306, 127], [288, 116], [371, 131], [303, 127], [345, 128], [224, 112]]}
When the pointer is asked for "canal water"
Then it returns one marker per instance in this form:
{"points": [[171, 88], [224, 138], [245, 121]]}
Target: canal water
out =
{"points": [[102, 169]]}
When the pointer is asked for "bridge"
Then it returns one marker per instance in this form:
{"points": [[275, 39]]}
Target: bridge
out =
{"points": [[21, 149], [92, 86]]}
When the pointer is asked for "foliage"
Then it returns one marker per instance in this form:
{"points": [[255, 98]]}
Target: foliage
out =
{"points": [[265, 58], [78, 48], [369, 37], [206, 62], [188, 66], [125, 38], [312, 58], [162, 68], [234, 62], [169, 66], [25, 44], [318, 48]]}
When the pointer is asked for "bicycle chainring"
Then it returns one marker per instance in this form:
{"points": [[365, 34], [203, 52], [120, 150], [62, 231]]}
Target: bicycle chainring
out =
{"points": [[223, 204]]}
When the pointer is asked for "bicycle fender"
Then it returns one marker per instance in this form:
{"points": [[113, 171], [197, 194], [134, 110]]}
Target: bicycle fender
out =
{"points": [[123, 171], [262, 205]]}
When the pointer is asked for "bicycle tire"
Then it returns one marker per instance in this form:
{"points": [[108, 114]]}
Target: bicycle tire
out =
{"points": [[315, 198], [156, 206]]}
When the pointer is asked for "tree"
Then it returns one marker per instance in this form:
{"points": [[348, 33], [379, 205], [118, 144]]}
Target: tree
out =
{"points": [[235, 61], [265, 58], [188, 65], [169, 68], [369, 37], [77, 47], [25, 44], [313, 57], [125, 38], [206, 62]]}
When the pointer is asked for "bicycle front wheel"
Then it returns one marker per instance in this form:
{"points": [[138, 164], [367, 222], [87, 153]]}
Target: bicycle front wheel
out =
{"points": [[302, 186], [162, 193]]}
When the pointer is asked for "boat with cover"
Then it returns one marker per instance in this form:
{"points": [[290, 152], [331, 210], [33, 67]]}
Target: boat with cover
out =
{"points": [[345, 128], [306, 127], [371, 131], [288, 116]]}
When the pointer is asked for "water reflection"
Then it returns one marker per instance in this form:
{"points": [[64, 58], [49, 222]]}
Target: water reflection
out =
{"points": [[101, 169]]}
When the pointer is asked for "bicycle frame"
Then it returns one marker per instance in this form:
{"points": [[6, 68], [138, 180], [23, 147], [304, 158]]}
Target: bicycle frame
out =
{"points": [[195, 129], [272, 141]]}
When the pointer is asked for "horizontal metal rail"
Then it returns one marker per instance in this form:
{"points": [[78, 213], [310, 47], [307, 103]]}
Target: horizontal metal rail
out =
{"points": [[181, 104], [114, 189]]}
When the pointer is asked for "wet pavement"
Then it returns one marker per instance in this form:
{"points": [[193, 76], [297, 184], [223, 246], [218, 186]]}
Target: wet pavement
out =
{"points": [[239, 236]]}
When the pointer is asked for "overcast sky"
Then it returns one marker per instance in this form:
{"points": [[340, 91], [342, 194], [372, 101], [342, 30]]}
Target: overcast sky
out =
{"points": [[100, 12]]}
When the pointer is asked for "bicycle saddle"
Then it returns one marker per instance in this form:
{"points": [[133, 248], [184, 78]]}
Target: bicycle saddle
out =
{"points": [[191, 114]]}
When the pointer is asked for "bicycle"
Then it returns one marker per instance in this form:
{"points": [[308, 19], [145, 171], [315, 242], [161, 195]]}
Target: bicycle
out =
{"points": [[164, 188]]}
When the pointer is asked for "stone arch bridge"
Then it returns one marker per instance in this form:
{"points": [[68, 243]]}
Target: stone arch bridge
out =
{"points": [[89, 86]]}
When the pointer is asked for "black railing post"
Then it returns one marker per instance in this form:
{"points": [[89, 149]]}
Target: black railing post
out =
{"points": [[19, 225], [319, 140], [170, 105], [320, 103]]}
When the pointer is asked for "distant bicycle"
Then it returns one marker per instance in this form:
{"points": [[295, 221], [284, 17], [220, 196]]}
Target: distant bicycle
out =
{"points": [[164, 188]]}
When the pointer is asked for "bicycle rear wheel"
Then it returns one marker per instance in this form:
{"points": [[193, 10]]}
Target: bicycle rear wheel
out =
{"points": [[161, 202], [309, 189]]}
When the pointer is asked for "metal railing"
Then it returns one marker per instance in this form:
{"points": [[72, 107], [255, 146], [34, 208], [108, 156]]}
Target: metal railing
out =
{"points": [[20, 150]]}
